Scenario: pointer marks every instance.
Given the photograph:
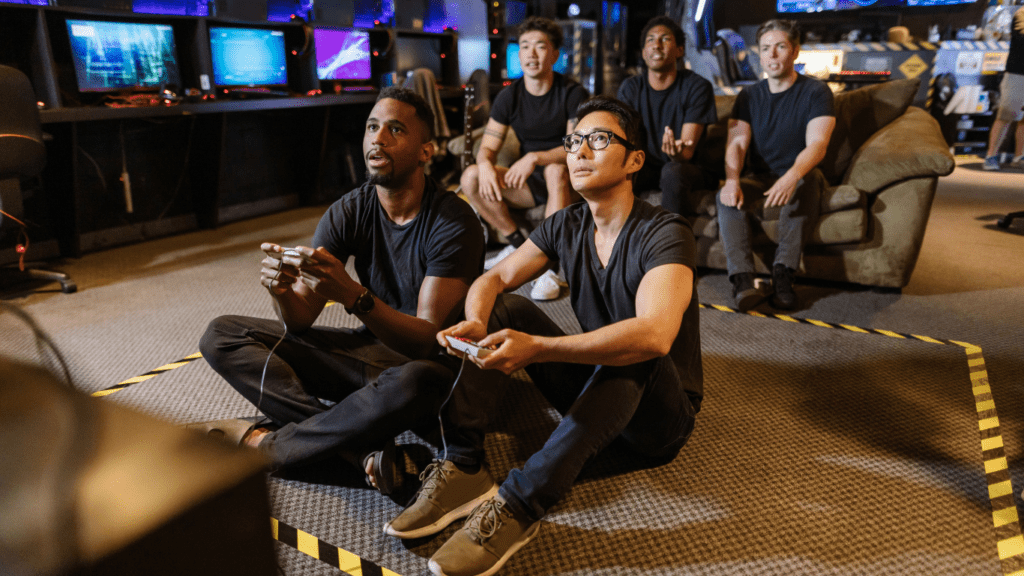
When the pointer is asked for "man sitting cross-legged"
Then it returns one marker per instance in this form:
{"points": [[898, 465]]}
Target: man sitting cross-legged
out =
{"points": [[332, 392], [634, 373]]}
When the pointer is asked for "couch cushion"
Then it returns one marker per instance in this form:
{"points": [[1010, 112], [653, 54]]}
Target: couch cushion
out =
{"points": [[840, 227], [842, 197], [913, 147], [859, 114]]}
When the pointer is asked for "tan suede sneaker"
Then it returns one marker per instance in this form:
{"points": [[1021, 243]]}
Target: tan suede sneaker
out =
{"points": [[491, 535], [446, 495]]}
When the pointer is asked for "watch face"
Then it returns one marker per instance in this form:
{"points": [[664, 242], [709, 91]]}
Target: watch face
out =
{"points": [[365, 302]]}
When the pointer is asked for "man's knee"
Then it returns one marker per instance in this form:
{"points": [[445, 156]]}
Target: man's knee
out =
{"points": [[555, 174], [218, 332], [417, 381], [470, 180]]}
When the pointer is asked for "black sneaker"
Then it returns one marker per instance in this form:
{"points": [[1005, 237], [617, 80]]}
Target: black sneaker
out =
{"points": [[744, 292], [782, 282]]}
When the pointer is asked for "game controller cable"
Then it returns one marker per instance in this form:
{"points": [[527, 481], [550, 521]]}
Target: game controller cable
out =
{"points": [[263, 377]]}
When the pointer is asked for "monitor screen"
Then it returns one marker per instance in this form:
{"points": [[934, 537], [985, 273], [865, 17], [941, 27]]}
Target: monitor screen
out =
{"points": [[812, 6], [248, 56], [342, 54], [112, 56], [515, 70], [419, 52], [33, 2]]}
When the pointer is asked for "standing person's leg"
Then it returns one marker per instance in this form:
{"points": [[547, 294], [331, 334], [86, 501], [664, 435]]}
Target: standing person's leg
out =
{"points": [[1011, 91], [734, 228]]}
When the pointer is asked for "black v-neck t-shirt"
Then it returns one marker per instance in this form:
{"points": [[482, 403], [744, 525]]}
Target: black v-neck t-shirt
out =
{"points": [[602, 295]]}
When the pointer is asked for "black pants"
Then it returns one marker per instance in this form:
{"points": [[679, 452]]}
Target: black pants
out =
{"points": [[332, 391]]}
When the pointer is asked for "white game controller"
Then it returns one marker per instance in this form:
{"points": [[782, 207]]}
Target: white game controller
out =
{"points": [[468, 346]]}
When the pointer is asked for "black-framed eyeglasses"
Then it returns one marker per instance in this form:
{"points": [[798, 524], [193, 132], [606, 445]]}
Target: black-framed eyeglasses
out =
{"points": [[597, 140]]}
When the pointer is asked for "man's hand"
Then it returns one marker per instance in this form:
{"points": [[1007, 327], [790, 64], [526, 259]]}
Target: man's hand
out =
{"points": [[520, 171], [514, 351], [468, 329], [327, 277], [278, 272], [781, 192], [674, 148], [490, 187], [732, 194]]}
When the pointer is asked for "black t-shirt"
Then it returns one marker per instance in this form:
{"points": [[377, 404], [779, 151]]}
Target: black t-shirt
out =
{"points": [[539, 121], [444, 240], [779, 121], [1015, 59], [601, 296], [689, 100]]}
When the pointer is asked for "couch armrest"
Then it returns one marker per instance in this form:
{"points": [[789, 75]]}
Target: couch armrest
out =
{"points": [[911, 146]]}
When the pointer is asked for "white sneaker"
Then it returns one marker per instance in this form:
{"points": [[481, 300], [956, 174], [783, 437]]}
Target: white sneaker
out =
{"points": [[547, 287], [493, 261]]}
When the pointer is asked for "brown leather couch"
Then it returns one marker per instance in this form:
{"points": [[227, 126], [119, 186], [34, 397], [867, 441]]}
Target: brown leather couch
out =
{"points": [[883, 164]]}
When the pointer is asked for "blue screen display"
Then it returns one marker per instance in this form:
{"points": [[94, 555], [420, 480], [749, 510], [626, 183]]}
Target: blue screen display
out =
{"points": [[33, 2], [176, 7], [248, 57], [117, 55], [515, 70], [812, 6]]}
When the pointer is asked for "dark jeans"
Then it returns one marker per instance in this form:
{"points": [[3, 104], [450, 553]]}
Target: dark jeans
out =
{"points": [[644, 404], [679, 183], [796, 221], [376, 392]]}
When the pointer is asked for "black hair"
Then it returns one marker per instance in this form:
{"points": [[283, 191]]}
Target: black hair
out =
{"points": [[667, 22], [790, 27], [546, 25], [629, 119], [413, 99]]}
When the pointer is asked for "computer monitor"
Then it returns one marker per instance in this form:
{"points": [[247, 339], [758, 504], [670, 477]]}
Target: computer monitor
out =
{"points": [[515, 70], [342, 54], [111, 56], [814, 6], [248, 56], [33, 2], [419, 52]]}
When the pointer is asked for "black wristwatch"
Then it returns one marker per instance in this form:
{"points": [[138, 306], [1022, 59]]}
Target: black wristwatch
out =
{"points": [[362, 305]]}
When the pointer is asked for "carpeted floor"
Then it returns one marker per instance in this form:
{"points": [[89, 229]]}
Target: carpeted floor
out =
{"points": [[820, 449]]}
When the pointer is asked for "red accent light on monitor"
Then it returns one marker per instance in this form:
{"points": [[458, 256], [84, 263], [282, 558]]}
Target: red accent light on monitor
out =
{"points": [[375, 53], [295, 52], [495, 31], [442, 55], [493, 56], [376, 22]]}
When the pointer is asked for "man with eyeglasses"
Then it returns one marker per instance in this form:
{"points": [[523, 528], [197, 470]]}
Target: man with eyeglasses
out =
{"points": [[633, 376], [675, 106]]}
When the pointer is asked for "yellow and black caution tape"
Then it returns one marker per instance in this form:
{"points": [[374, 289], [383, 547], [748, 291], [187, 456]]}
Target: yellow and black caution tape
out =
{"points": [[310, 545], [1009, 540], [151, 374]]}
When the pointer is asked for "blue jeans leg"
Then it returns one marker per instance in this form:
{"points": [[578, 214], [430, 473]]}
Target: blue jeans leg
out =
{"points": [[642, 403]]}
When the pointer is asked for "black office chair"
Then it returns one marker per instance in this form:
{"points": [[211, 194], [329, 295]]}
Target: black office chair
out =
{"points": [[22, 155]]}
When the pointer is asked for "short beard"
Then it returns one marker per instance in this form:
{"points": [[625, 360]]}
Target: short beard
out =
{"points": [[380, 179]]}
